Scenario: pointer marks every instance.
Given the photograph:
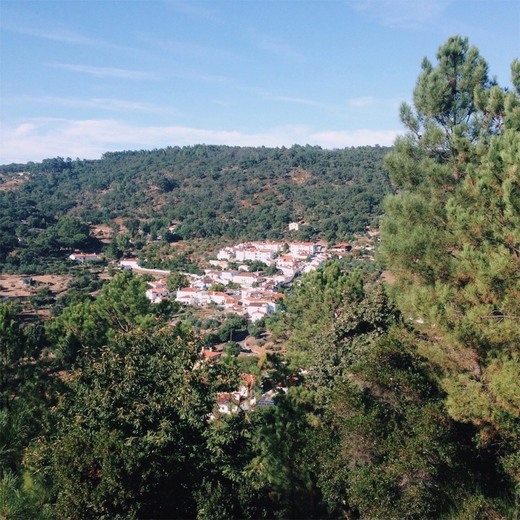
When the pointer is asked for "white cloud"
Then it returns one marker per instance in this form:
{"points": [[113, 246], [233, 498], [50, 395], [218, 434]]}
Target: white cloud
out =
{"points": [[64, 36], [276, 47], [105, 72], [109, 104], [192, 9], [362, 102], [24, 129], [280, 49], [43, 138], [403, 14], [296, 100], [187, 49]]}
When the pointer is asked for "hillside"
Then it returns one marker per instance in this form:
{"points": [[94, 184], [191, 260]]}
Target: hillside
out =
{"points": [[205, 191]]}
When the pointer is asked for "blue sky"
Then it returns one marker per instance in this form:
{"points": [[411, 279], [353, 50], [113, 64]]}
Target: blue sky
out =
{"points": [[79, 78]]}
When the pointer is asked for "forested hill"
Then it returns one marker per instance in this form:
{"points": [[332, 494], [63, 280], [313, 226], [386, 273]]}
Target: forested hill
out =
{"points": [[210, 191]]}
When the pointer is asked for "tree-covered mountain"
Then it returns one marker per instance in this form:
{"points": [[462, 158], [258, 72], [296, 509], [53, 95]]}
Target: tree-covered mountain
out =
{"points": [[401, 401], [208, 191]]}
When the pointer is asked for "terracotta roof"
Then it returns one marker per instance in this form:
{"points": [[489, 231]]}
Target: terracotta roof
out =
{"points": [[209, 354]]}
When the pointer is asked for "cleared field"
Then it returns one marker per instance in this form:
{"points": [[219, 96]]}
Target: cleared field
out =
{"points": [[21, 286]]}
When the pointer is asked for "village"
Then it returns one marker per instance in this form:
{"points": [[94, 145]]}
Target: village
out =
{"points": [[246, 292], [253, 294], [247, 280]]}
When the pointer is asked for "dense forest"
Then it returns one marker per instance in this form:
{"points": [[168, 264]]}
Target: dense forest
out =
{"points": [[403, 398], [216, 192]]}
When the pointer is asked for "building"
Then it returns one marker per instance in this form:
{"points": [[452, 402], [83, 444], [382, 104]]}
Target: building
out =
{"points": [[157, 295], [303, 249], [192, 296], [253, 254], [211, 355], [341, 248], [130, 263], [85, 257]]}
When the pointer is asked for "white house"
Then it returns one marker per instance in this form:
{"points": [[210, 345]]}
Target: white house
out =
{"points": [[228, 253], [303, 249], [130, 263], [228, 403], [226, 276], [192, 296], [244, 278], [242, 399], [85, 257], [157, 295], [317, 262], [257, 311], [271, 246], [157, 284], [217, 297], [265, 255]]}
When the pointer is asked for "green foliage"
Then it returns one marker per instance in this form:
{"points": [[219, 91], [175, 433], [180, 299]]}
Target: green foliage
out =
{"points": [[176, 281], [217, 192], [42, 298], [357, 326], [409, 403], [451, 235], [21, 497], [312, 306], [12, 353], [282, 462], [71, 232], [129, 436], [119, 246], [217, 287], [84, 327], [232, 328], [388, 448], [233, 349]]}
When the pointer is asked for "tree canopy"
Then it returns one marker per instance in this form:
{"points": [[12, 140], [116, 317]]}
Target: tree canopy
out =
{"points": [[396, 400], [451, 235]]}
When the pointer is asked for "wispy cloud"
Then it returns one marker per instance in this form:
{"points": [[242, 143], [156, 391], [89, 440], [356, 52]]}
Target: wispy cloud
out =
{"points": [[186, 49], [204, 78], [362, 102], [276, 46], [281, 49], [192, 9], [296, 100], [105, 72], [109, 104], [42, 138], [65, 36], [369, 106], [402, 14]]}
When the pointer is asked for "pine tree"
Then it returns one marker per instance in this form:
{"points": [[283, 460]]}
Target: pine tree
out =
{"points": [[451, 235]]}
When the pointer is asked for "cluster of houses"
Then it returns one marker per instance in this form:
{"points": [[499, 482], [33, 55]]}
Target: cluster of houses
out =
{"points": [[253, 302], [237, 290], [290, 258], [231, 285], [251, 294]]}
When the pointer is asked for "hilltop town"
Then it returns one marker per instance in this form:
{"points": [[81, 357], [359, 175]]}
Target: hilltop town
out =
{"points": [[246, 278]]}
